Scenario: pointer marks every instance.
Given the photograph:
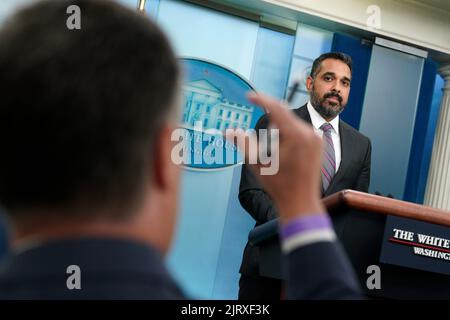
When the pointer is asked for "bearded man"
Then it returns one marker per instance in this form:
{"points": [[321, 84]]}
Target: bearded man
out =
{"points": [[345, 162]]}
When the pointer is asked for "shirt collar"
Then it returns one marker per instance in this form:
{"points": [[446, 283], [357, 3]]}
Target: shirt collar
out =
{"points": [[317, 120]]}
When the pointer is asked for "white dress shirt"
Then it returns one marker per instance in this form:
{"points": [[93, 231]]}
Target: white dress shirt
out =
{"points": [[317, 121]]}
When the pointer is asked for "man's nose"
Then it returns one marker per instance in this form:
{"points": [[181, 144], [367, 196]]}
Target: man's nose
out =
{"points": [[336, 87]]}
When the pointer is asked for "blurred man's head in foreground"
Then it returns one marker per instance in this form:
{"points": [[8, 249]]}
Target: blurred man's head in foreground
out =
{"points": [[85, 123]]}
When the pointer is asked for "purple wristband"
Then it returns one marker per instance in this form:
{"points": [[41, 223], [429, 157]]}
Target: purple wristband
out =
{"points": [[308, 223]]}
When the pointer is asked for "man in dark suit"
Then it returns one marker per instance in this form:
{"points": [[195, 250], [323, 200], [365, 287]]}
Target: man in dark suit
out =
{"points": [[87, 176], [346, 160]]}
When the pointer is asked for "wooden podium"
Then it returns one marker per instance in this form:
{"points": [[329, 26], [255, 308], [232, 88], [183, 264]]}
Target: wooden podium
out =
{"points": [[359, 220]]}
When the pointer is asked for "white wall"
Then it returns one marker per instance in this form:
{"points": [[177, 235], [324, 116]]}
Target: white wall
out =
{"points": [[400, 19]]}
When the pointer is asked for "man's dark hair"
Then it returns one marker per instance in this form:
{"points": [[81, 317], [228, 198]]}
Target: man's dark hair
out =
{"points": [[330, 55], [80, 109]]}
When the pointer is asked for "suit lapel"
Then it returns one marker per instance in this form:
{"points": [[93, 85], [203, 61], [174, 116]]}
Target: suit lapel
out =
{"points": [[303, 113]]}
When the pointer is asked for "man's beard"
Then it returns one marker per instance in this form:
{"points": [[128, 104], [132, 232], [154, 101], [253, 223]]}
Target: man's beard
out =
{"points": [[330, 111]]}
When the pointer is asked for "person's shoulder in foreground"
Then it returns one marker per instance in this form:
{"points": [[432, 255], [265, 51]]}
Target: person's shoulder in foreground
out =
{"points": [[89, 268]]}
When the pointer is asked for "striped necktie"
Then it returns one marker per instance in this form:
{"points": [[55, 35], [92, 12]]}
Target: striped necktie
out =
{"points": [[329, 158]]}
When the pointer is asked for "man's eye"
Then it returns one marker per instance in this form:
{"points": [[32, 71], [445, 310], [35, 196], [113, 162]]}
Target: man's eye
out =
{"points": [[346, 84], [327, 78]]}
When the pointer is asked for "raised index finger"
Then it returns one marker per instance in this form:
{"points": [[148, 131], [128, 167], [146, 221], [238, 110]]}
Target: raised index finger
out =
{"points": [[279, 114]]}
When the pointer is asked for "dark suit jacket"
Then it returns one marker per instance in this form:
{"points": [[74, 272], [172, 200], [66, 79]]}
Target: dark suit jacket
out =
{"points": [[110, 269], [121, 269], [353, 173], [321, 271]]}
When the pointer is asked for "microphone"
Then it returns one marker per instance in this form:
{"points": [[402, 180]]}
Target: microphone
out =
{"points": [[295, 86], [141, 5]]}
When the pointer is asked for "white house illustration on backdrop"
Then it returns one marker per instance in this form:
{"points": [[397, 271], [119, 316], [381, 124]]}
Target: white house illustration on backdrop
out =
{"points": [[205, 102]]}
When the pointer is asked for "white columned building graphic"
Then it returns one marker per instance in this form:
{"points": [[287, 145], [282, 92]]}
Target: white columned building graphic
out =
{"points": [[205, 102]]}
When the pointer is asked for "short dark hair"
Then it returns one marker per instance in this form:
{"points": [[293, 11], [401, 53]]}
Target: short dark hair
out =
{"points": [[330, 55], [80, 109]]}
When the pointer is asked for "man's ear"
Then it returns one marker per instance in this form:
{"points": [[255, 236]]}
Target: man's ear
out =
{"points": [[309, 83], [164, 170]]}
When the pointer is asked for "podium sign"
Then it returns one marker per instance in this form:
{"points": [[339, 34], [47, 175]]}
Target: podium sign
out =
{"points": [[416, 244]]}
